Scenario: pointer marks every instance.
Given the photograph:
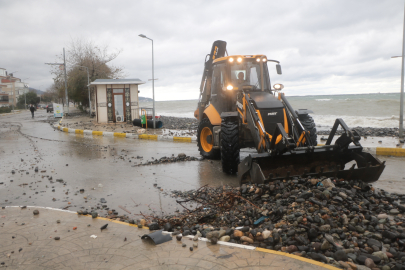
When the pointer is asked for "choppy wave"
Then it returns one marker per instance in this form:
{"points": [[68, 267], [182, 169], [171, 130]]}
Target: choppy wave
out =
{"points": [[326, 121]]}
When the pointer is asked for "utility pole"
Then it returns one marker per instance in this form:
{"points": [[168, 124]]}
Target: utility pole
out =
{"points": [[66, 91], [64, 67]]}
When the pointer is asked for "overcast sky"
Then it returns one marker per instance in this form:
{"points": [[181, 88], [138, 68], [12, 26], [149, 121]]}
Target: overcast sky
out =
{"points": [[325, 46]]}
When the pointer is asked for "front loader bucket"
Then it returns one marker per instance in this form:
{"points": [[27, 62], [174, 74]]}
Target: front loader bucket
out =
{"points": [[320, 161]]}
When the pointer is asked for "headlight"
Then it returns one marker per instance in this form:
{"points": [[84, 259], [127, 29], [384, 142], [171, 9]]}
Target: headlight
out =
{"points": [[239, 59], [231, 59], [258, 59], [264, 59], [278, 86], [229, 87]]}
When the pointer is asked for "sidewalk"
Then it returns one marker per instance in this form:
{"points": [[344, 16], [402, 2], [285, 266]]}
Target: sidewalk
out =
{"points": [[27, 241]]}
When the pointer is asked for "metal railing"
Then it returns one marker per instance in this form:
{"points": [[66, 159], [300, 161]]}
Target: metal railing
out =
{"points": [[136, 113]]}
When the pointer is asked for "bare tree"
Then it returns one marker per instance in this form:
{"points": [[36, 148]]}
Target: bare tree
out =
{"points": [[97, 58]]}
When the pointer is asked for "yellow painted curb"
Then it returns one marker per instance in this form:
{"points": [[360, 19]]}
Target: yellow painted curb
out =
{"points": [[116, 221], [119, 134], [124, 135], [182, 139], [99, 133], [148, 137], [324, 265], [397, 152]]}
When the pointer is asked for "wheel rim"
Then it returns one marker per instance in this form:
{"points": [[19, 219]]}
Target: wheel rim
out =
{"points": [[206, 146]]}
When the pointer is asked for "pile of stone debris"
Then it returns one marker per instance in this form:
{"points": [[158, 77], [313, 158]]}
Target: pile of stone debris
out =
{"points": [[348, 224]]}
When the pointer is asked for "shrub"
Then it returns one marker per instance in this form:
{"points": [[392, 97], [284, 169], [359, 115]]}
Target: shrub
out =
{"points": [[5, 109]]}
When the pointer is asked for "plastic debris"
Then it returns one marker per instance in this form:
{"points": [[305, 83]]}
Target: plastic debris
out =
{"points": [[260, 220], [157, 237]]}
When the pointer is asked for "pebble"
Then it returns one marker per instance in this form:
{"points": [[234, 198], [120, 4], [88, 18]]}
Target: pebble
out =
{"points": [[340, 255], [394, 211], [246, 239], [369, 263], [225, 238], [35, 212], [325, 245], [57, 238]]}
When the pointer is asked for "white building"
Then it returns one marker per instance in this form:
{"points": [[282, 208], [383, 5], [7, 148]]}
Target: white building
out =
{"points": [[116, 100], [13, 86]]}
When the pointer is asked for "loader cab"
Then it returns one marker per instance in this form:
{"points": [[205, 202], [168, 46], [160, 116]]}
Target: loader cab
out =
{"points": [[235, 73]]}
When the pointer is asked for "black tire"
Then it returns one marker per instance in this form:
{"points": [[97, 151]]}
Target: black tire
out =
{"points": [[230, 147], [309, 124], [212, 153]]}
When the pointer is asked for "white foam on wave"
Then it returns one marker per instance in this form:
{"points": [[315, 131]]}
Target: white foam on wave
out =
{"points": [[327, 121], [323, 99], [174, 114]]}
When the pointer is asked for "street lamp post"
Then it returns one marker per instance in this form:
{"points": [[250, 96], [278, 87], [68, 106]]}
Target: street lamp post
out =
{"points": [[64, 67], [153, 82], [25, 94], [40, 96], [401, 105], [88, 85]]}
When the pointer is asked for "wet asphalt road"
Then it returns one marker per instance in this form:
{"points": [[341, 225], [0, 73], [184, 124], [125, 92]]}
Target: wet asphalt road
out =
{"points": [[84, 162], [103, 167]]}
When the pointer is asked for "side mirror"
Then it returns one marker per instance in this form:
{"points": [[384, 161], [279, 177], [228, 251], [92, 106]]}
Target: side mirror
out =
{"points": [[278, 67]]}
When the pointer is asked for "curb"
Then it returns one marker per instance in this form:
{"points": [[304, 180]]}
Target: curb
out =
{"points": [[383, 151], [280, 253], [386, 151], [126, 135]]}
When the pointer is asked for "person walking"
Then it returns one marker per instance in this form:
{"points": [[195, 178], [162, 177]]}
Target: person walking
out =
{"points": [[32, 109]]}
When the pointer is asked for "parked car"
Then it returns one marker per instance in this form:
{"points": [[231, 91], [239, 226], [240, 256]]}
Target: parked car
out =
{"points": [[49, 108]]}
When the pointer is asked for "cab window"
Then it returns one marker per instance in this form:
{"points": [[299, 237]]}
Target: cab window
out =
{"points": [[218, 79]]}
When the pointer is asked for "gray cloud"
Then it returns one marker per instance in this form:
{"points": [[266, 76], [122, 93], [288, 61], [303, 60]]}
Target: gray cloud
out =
{"points": [[325, 47]]}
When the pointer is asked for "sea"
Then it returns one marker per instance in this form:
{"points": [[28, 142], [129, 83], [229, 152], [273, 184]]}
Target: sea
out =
{"points": [[377, 110]]}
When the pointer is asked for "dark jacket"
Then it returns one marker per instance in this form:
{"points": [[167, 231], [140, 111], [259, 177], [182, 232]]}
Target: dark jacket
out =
{"points": [[32, 109]]}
